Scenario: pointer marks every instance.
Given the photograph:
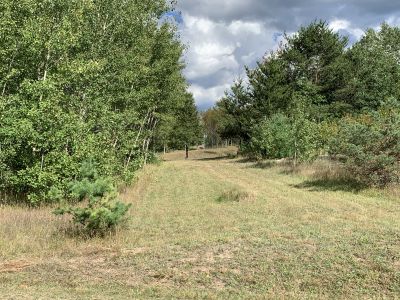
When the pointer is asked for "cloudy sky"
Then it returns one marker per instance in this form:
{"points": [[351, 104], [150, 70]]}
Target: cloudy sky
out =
{"points": [[224, 35]]}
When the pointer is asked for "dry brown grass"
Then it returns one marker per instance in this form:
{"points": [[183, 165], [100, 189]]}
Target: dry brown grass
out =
{"points": [[27, 230]]}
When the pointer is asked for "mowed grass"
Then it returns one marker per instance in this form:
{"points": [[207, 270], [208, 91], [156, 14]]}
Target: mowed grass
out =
{"points": [[213, 228]]}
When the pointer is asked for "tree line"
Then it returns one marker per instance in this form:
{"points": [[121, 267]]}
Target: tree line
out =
{"points": [[87, 83], [317, 95]]}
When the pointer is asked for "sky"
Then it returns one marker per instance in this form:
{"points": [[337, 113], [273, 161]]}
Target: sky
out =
{"points": [[222, 36]]}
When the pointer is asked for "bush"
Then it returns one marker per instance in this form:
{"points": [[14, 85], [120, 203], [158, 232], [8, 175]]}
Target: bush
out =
{"points": [[273, 138], [283, 137], [306, 135], [101, 212], [369, 145]]}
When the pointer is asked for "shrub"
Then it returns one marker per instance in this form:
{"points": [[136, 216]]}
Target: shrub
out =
{"points": [[284, 137], [102, 212], [369, 145], [273, 138], [306, 135]]}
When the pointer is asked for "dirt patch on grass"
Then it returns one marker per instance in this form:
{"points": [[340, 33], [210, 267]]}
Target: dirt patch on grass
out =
{"points": [[15, 266]]}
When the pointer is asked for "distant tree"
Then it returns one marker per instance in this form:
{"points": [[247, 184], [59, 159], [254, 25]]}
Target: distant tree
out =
{"points": [[374, 73], [187, 130], [212, 123], [312, 59], [312, 79], [236, 106]]}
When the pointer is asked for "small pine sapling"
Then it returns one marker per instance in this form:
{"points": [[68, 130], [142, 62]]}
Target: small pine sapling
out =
{"points": [[101, 211]]}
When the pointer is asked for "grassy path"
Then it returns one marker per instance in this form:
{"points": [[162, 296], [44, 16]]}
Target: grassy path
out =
{"points": [[284, 239]]}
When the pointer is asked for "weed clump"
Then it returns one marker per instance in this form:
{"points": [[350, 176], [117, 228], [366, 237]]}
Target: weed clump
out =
{"points": [[233, 195]]}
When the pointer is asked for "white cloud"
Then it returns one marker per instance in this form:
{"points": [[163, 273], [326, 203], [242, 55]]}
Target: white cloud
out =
{"points": [[207, 53], [225, 35], [237, 27], [199, 24], [207, 96], [218, 52], [340, 24], [209, 49], [393, 21]]}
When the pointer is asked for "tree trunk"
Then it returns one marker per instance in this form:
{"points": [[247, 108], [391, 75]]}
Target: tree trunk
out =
{"points": [[46, 65], [147, 143], [42, 163], [137, 139], [153, 124]]}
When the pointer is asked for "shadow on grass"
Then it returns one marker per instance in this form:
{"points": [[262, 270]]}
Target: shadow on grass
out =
{"points": [[265, 164], [213, 158], [210, 152], [333, 185], [245, 160]]}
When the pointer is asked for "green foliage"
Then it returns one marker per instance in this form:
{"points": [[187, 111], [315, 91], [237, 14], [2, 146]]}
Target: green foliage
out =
{"points": [[374, 71], [296, 98], [309, 63], [101, 212], [273, 138], [306, 132], [238, 113], [369, 145], [284, 137], [83, 79], [301, 81], [187, 129], [214, 126]]}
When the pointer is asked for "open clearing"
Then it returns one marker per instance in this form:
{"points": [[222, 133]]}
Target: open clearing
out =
{"points": [[213, 228]]}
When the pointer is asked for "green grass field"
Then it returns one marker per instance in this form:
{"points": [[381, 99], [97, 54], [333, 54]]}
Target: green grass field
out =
{"points": [[213, 228]]}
